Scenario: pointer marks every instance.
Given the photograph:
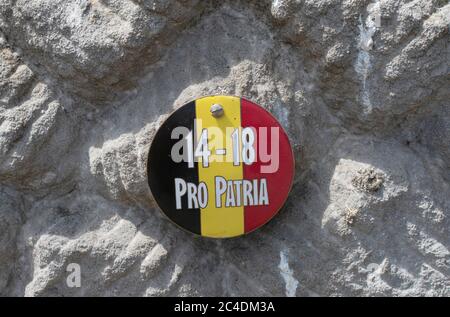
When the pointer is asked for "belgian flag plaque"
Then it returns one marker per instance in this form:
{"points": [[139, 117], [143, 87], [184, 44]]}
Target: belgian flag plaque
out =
{"points": [[220, 166]]}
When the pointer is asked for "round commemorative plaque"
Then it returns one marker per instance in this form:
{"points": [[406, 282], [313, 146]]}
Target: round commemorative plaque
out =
{"points": [[220, 166]]}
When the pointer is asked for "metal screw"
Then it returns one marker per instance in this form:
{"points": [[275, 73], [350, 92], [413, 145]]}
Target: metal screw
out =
{"points": [[216, 110]]}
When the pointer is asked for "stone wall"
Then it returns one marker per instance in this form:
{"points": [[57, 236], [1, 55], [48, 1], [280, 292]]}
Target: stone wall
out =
{"points": [[361, 87]]}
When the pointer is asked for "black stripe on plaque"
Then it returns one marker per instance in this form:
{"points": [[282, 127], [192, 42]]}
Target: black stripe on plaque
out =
{"points": [[162, 170]]}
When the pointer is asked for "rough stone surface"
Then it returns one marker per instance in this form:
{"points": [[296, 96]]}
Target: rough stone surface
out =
{"points": [[368, 180], [361, 87]]}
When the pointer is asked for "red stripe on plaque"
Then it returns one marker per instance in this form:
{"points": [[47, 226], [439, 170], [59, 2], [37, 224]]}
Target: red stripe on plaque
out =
{"points": [[279, 178]]}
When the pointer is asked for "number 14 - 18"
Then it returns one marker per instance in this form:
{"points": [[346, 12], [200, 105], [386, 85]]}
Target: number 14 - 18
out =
{"points": [[248, 153]]}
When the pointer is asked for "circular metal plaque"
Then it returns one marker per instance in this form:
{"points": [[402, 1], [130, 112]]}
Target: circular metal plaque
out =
{"points": [[220, 166]]}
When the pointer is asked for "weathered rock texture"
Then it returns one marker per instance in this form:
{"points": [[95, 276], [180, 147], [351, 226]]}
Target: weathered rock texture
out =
{"points": [[361, 87]]}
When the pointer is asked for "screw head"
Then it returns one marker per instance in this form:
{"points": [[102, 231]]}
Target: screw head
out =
{"points": [[216, 110]]}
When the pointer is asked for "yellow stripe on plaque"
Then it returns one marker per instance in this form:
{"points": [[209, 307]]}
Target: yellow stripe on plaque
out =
{"points": [[219, 222]]}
